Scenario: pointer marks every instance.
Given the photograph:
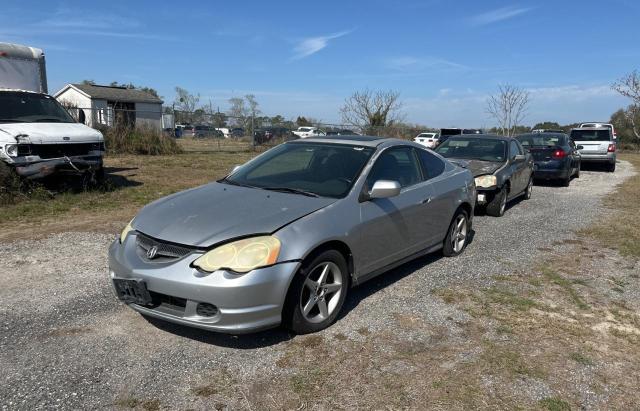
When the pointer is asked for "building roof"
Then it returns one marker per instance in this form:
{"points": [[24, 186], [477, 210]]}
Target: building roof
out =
{"points": [[121, 94]]}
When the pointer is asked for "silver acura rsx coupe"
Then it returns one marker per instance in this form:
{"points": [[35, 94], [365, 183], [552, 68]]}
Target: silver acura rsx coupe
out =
{"points": [[282, 238]]}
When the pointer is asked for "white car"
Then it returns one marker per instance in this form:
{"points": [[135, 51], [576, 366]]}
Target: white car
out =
{"points": [[429, 140], [305, 132], [599, 125]]}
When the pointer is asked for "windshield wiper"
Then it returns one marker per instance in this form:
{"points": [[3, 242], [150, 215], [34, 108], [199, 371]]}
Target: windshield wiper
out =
{"points": [[234, 183], [291, 190]]}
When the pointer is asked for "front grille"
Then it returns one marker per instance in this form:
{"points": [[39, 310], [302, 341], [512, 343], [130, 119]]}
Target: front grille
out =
{"points": [[169, 301], [46, 151], [165, 251]]}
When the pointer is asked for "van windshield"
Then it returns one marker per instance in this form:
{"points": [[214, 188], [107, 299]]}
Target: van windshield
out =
{"points": [[590, 135], [22, 107]]}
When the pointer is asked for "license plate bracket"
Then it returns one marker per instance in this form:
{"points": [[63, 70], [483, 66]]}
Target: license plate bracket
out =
{"points": [[132, 291]]}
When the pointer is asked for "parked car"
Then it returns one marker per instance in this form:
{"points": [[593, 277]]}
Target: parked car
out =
{"points": [[237, 132], [597, 145], [429, 140], [598, 125], [503, 170], [262, 135], [39, 138], [445, 133], [225, 131], [555, 156], [207, 131], [306, 132], [282, 238], [188, 131]]}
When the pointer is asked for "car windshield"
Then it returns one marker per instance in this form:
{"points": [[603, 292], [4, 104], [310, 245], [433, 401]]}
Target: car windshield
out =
{"points": [[317, 169], [541, 140], [21, 107], [450, 132], [590, 135], [485, 149]]}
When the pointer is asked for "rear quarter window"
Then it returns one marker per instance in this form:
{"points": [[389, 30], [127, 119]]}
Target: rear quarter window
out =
{"points": [[431, 165]]}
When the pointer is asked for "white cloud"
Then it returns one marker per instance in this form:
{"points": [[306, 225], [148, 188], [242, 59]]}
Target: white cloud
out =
{"points": [[497, 15], [312, 45]]}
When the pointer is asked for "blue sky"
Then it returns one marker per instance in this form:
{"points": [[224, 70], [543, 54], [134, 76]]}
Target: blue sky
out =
{"points": [[304, 58]]}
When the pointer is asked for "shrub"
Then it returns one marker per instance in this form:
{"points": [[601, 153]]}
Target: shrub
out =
{"points": [[139, 140], [13, 188]]}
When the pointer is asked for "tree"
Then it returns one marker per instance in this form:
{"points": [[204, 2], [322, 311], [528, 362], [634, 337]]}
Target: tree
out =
{"points": [[244, 111], [508, 107], [238, 111], [629, 86], [219, 119], [302, 121], [370, 111], [88, 82], [547, 125], [185, 103]]}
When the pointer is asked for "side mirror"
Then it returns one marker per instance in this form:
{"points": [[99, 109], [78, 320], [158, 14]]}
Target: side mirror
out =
{"points": [[579, 147], [384, 189], [519, 157]]}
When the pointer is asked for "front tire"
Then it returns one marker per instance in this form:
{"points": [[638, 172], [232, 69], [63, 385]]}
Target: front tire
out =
{"points": [[529, 190], [317, 293], [456, 240], [498, 204]]}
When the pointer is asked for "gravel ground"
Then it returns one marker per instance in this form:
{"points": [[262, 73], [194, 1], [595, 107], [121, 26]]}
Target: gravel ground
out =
{"points": [[66, 342]]}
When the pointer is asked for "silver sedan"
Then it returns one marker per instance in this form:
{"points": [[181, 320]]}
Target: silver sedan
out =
{"points": [[282, 238]]}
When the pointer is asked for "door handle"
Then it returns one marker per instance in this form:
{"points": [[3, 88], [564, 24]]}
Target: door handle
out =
{"points": [[426, 201]]}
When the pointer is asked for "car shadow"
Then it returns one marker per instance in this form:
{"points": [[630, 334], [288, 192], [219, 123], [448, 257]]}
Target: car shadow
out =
{"points": [[241, 341], [278, 335]]}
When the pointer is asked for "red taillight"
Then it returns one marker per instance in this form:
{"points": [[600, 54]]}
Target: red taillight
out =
{"points": [[559, 154], [612, 148]]}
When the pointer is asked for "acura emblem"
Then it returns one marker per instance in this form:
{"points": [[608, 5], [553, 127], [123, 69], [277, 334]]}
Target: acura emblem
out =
{"points": [[66, 138], [152, 252]]}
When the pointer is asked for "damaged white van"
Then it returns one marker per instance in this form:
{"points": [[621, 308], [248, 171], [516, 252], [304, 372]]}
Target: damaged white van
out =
{"points": [[38, 137]]}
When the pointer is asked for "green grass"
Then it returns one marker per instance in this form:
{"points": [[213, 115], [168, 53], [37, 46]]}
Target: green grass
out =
{"points": [[555, 404], [508, 298], [565, 284], [580, 358]]}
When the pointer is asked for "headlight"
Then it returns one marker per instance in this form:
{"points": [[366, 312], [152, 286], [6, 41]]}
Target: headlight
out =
{"points": [[486, 181], [125, 231], [11, 150], [241, 256]]}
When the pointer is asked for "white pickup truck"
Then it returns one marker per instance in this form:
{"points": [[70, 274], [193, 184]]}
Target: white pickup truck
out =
{"points": [[38, 137]]}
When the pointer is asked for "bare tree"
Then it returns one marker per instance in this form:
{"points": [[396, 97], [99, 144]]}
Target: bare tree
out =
{"points": [[508, 107], [370, 111], [244, 110], [186, 103], [629, 86]]}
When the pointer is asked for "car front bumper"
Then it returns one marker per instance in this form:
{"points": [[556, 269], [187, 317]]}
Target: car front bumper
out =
{"points": [[244, 303], [39, 168]]}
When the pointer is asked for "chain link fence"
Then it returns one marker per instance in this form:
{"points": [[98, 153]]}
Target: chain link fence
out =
{"points": [[199, 131]]}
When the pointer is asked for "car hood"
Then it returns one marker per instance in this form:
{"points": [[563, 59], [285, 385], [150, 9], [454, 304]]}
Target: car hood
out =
{"points": [[477, 167], [214, 213], [46, 133]]}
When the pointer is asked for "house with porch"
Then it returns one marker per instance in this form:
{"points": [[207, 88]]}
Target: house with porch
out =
{"points": [[95, 105]]}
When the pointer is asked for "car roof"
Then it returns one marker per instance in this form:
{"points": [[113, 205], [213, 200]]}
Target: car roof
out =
{"points": [[591, 128], [354, 140], [488, 136], [548, 133]]}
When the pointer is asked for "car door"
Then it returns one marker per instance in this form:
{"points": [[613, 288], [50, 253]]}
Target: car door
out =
{"points": [[393, 228], [518, 168], [438, 211]]}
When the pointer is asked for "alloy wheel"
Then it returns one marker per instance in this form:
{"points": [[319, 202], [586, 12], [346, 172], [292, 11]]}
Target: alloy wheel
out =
{"points": [[321, 293], [459, 234]]}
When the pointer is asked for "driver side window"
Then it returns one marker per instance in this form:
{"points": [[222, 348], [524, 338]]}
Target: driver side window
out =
{"points": [[514, 150], [396, 164]]}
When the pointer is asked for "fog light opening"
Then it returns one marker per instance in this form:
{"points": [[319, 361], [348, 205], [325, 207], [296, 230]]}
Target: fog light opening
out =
{"points": [[206, 310]]}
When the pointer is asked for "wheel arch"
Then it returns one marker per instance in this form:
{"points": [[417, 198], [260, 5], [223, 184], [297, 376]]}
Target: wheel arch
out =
{"points": [[337, 245]]}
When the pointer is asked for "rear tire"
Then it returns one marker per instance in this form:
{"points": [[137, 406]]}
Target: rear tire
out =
{"points": [[498, 204], [317, 293], [456, 240], [566, 181], [578, 171], [611, 167]]}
